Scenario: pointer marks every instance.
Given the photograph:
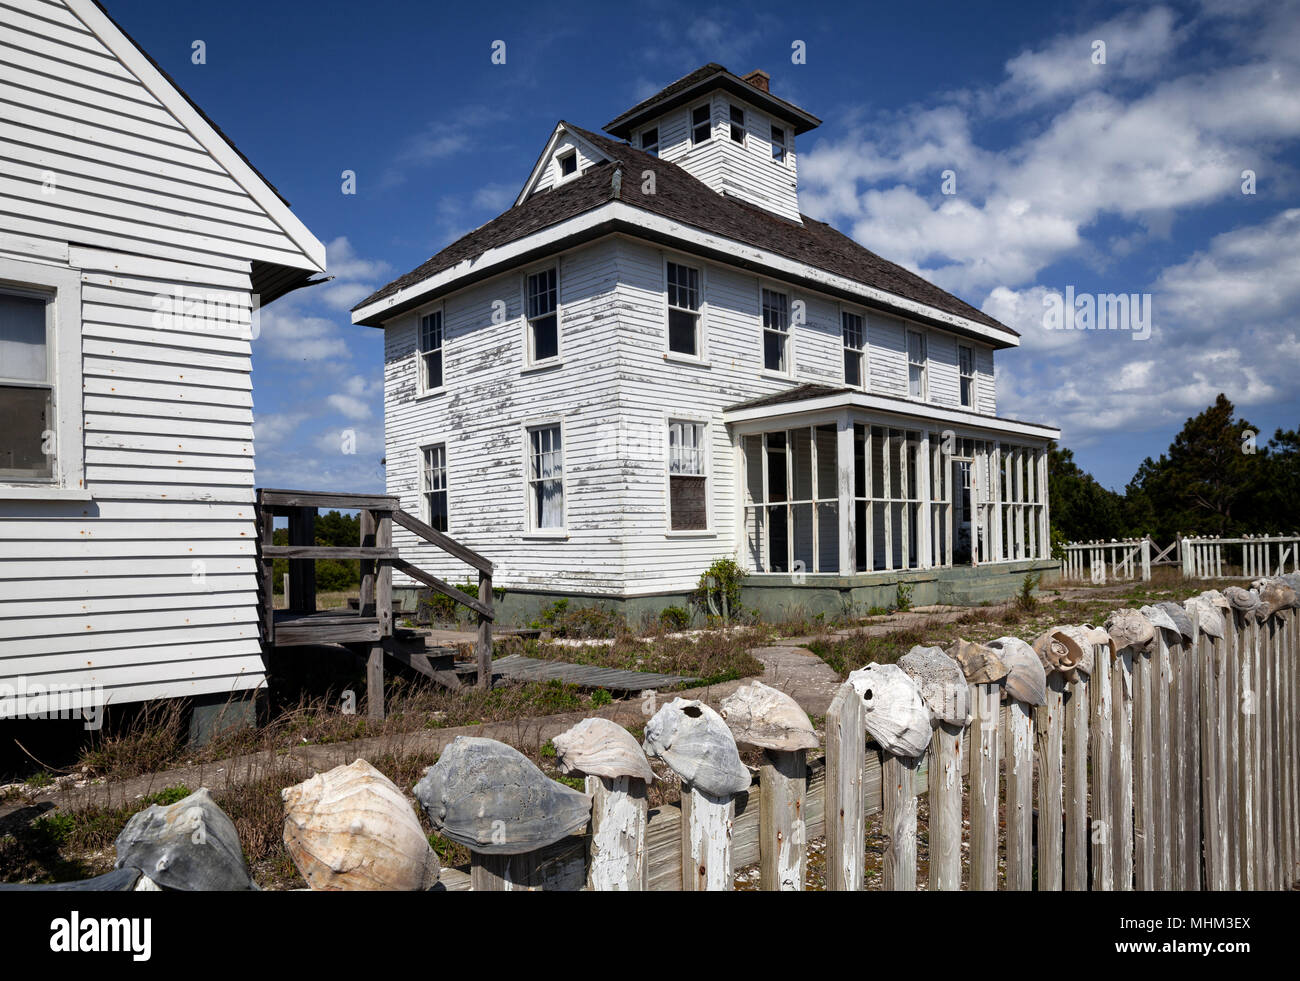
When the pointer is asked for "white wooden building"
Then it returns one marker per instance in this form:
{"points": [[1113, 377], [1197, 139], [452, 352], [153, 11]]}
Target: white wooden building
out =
{"points": [[136, 243], [653, 360]]}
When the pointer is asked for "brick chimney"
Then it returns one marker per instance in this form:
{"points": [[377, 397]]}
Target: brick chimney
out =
{"points": [[759, 79]]}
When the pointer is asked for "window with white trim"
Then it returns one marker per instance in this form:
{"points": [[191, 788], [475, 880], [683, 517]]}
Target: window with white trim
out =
{"points": [[701, 124], [431, 351], [684, 310], [778, 144], [917, 363], [433, 485], [568, 163], [776, 331], [650, 140], [966, 368], [688, 481], [543, 316], [737, 125], [545, 478], [27, 373], [854, 349]]}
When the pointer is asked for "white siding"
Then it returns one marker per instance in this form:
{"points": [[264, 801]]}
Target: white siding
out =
{"points": [[549, 168], [149, 589]]}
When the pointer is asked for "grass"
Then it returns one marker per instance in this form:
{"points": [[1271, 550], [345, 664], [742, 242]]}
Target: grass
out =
{"points": [[711, 657]]}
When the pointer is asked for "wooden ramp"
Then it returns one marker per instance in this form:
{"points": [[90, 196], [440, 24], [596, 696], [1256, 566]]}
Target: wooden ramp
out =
{"points": [[516, 667]]}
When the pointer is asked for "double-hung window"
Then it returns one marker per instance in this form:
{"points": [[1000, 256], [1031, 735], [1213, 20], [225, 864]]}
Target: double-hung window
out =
{"points": [[688, 499], [778, 144], [916, 364], [568, 163], [650, 141], [776, 331], [966, 366], [737, 125], [684, 310], [545, 478], [433, 484], [27, 373], [851, 329], [701, 124], [431, 351], [543, 316]]}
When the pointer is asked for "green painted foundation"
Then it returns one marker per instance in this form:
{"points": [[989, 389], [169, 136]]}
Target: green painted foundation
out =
{"points": [[216, 715], [780, 597]]}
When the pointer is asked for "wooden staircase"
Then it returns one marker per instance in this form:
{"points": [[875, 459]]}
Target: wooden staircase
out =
{"points": [[368, 630]]}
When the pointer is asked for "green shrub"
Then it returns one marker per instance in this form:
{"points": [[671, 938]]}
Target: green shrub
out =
{"points": [[437, 608], [580, 622], [1025, 599], [904, 601], [675, 618], [720, 581], [601, 697]]}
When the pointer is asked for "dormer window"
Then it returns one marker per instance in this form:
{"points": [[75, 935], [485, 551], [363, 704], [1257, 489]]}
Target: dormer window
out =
{"points": [[737, 125], [650, 141], [568, 163], [778, 144], [701, 124]]}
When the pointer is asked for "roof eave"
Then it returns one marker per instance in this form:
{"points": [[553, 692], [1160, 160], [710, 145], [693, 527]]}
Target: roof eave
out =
{"points": [[622, 126]]}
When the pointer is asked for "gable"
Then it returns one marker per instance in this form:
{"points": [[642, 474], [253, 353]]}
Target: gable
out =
{"points": [[547, 173]]}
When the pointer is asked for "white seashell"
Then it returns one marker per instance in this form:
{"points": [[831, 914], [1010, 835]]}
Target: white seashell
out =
{"points": [[1208, 616], [696, 743], [351, 829], [895, 714], [1216, 598], [767, 718], [1129, 628], [1026, 680], [490, 797], [1159, 618], [978, 662], [941, 682], [1182, 622], [601, 748]]}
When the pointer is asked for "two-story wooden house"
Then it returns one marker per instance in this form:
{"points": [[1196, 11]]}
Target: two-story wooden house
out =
{"points": [[653, 360]]}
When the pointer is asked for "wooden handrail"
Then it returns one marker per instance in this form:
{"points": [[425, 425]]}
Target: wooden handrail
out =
{"points": [[269, 498], [327, 552], [433, 582], [444, 542]]}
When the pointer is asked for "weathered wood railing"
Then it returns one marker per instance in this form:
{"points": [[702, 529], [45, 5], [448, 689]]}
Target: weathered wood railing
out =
{"points": [[368, 630], [1168, 761], [1259, 555], [1101, 561]]}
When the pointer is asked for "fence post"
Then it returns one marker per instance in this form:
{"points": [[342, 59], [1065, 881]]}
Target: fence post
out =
{"points": [[483, 648], [846, 747], [1190, 719], [1143, 792], [1020, 795], [619, 811], [898, 792], [1122, 767], [945, 807], [783, 837], [1076, 784], [1049, 724], [984, 787], [1102, 738], [1146, 558]]}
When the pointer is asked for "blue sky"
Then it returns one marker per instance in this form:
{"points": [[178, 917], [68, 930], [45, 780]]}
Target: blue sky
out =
{"points": [[1115, 178]]}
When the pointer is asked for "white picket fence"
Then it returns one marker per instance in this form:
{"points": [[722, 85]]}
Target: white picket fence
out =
{"points": [[1253, 556], [1100, 562]]}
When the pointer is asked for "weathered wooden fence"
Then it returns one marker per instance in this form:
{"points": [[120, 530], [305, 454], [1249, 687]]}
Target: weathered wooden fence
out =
{"points": [[1157, 752], [1251, 557], [1100, 561]]}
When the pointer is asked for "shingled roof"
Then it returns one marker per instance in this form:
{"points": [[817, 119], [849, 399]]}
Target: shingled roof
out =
{"points": [[683, 198]]}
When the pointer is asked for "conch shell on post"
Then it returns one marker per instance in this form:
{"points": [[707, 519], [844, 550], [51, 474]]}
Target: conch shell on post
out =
{"points": [[979, 663], [1129, 628], [601, 748], [1243, 601], [893, 711], [941, 682], [190, 846], [1208, 616], [767, 718], [1182, 622], [350, 829], [1066, 650], [1026, 680], [1159, 618], [697, 745], [490, 797], [1276, 594]]}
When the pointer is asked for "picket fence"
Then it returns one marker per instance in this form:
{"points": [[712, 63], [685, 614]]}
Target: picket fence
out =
{"points": [[1173, 767], [1253, 556], [1099, 561]]}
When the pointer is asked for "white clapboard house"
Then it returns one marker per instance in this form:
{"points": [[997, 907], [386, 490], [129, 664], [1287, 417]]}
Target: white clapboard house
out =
{"points": [[135, 242], [653, 360]]}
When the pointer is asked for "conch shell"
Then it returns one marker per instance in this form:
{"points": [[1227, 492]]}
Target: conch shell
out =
{"points": [[767, 718], [1026, 680], [894, 713], [350, 829], [1182, 622], [1066, 650], [980, 664], [490, 797], [697, 745], [1208, 616], [1129, 628], [190, 846], [601, 748], [1276, 594], [941, 682]]}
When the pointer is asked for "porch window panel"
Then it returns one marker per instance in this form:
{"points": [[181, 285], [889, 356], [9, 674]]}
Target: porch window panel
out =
{"points": [[801, 463], [828, 478], [756, 538], [776, 467], [802, 534], [778, 538], [828, 537], [753, 446], [860, 531]]}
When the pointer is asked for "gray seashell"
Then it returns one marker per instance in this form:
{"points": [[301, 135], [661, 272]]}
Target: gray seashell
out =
{"points": [[351, 829], [894, 713], [1129, 628], [1208, 616], [1182, 622], [1216, 598], [119, 880], [190, 846], [1276, 594], [601, 748], [1026, 680], [697, 745], [1292, 579], [490, 797], [1159, 618], [941, 682], [767, 718], [1242, 600], [979, 663]]}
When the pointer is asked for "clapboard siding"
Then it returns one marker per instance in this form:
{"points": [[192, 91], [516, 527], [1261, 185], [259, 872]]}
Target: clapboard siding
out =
{"points": [[149, 589]]}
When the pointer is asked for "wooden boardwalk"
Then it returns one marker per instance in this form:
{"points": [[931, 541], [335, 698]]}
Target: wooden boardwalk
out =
{"points": [[516, 667]]}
